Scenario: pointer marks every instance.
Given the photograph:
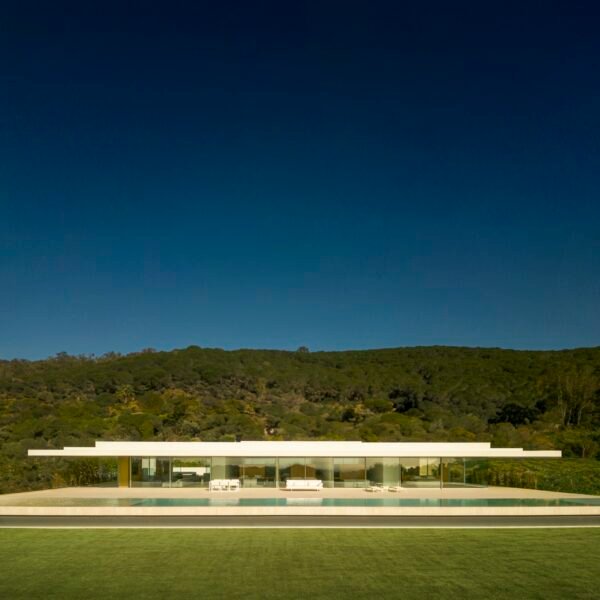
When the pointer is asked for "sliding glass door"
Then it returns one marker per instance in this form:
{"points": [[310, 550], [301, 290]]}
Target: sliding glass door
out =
{"points": [[150, 472]]}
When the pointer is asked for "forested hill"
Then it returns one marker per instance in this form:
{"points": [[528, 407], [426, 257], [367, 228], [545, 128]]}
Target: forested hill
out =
{"points": [[512, 398]]}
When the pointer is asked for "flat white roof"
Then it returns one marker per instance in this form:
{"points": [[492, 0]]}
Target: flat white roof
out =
{"points": [[300, 449]]}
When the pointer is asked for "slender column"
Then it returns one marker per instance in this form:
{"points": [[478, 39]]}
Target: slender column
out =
{"points": [[123, 471]]}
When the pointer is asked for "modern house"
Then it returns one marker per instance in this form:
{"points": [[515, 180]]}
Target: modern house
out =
{"points": [[272, 464]]}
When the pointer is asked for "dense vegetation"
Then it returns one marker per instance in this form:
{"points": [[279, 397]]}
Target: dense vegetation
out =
{"points": [[575, 475], [511, 398], [412, 564]]}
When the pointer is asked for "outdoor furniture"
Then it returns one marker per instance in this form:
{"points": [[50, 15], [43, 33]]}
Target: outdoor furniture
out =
{"points": [[394, 488], [214, 485], [374, 488], [313, 485], [224, 485]]}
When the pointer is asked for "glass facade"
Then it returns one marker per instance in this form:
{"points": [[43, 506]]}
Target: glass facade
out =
{"points": [[252, 472], [453, 472], [190, 472], [320, 468], [150, 472], [383, 471], [291, 468], [420, 472], [349, 472], [476, 472], [260, 472]]}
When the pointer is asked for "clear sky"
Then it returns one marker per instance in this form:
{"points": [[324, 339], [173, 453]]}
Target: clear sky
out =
{"points": [[335, 175]]}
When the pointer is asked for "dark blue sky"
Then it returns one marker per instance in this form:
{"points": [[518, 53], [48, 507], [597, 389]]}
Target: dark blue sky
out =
{"points": [[336, 175]]}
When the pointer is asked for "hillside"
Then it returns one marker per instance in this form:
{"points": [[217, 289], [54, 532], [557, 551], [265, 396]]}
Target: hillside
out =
{"points": [[534, 399]]}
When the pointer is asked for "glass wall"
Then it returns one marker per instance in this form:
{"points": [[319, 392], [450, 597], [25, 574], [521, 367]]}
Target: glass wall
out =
{"points": [[477, 472], [375, 471], [320, 468], [383, 471], [333, 472], [349, 472], [420, 472], [190, 472], [252, 472], [234, 468], [259, 472], [306, 468], [217, 470], [391, 471], [226, 467], [291, 468], [453, 472], [150, 472]]}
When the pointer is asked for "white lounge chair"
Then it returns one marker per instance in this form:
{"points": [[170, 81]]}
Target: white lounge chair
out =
{"points": [[374, 488]]}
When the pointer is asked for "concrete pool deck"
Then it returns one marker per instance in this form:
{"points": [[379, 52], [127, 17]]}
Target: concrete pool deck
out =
{"points": [[48, 503]]}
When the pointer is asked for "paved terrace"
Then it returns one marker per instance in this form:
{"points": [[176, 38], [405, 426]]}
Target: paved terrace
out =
{"points": [[192, 492]]}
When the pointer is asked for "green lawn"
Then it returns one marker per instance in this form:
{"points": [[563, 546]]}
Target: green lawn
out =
{"points": [[300, 563]]}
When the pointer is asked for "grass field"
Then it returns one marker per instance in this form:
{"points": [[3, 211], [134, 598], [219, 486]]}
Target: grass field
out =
{"points": [[300, 563]]}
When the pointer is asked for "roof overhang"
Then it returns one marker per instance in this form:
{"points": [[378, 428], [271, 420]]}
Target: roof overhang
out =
{"points": [[299, 449]]}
